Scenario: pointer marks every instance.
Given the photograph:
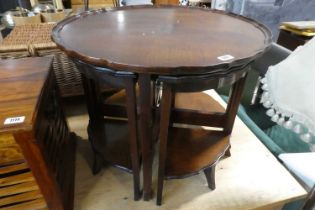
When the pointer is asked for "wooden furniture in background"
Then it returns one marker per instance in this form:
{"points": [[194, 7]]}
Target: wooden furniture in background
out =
{"points": [[36, 148], [79, 4], [34, 40], [294, 34], [166, 2], [161, 49], [291, 40]]}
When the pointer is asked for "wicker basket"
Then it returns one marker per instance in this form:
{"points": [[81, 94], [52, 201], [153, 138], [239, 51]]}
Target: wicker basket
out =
{"points": [[53, 17], [27, 20], [34, 40]]}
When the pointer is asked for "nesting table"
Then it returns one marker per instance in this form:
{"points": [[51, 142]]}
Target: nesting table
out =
{"points": [[252, 178], [162, 40]]}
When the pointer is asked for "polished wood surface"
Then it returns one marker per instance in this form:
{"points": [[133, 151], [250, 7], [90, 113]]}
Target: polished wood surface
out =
{"points": [[202, 148], [10, 151], [110, 145], [185, 152], [192, 150], [162, 40], [21, 89], [43, 141]]}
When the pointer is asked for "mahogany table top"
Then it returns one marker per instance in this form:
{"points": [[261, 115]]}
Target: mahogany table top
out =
{"points": [[162, 39]]}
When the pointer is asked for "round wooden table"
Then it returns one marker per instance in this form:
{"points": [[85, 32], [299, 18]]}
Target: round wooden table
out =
{"points": [[163, 40]]}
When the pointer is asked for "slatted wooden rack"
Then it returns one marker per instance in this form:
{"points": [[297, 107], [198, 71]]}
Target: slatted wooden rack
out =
{"points": [[18, 188], [37, 153]]}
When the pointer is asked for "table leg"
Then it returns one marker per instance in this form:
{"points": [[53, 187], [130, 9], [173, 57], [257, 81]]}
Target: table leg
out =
{"points": [[234, 102], [91, 93], [145, 133]]}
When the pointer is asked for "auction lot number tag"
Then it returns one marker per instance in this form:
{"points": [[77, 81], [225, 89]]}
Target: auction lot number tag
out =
{"points": [[14, 120]]}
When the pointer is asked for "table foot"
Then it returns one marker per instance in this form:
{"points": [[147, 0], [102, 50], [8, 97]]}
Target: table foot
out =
{"points": [[147, 195]]}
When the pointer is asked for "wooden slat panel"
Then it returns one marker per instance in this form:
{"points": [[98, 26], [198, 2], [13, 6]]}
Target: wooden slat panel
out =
{"points": [[19, 188], [35, 204], [16, 179], [12, 168], [21, 197]]}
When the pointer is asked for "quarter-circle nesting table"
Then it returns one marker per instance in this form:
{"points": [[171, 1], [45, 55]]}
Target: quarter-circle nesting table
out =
{"points": [[162, 40]]}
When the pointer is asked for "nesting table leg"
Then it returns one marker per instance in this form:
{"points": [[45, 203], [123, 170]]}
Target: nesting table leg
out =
{"points": [[90, 94], [234, 101], [210, 176], [145, 125]]}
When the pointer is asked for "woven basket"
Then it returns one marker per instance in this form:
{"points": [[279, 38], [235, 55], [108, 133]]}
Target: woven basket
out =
{"points": [[18, 21], [34, 40]]}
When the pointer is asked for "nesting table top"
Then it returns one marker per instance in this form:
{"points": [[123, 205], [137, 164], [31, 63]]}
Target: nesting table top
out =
{"points": [[162, 39]]}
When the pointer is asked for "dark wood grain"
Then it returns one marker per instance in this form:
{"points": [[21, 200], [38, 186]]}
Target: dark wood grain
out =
{"points": [[210, 175], [166, 105], [197, 109], [233, 103], [145, 125], [161, 39], [201, 149], [186, 151], [134, 143], [110, 139], [113, 142]]}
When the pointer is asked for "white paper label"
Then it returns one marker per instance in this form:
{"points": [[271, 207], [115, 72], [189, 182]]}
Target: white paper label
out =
{"points": [[225, 57], [14, 120]]}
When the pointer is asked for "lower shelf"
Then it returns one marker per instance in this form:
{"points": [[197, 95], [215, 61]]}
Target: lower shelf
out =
{"points": [[192, 150], [110, 139]]}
